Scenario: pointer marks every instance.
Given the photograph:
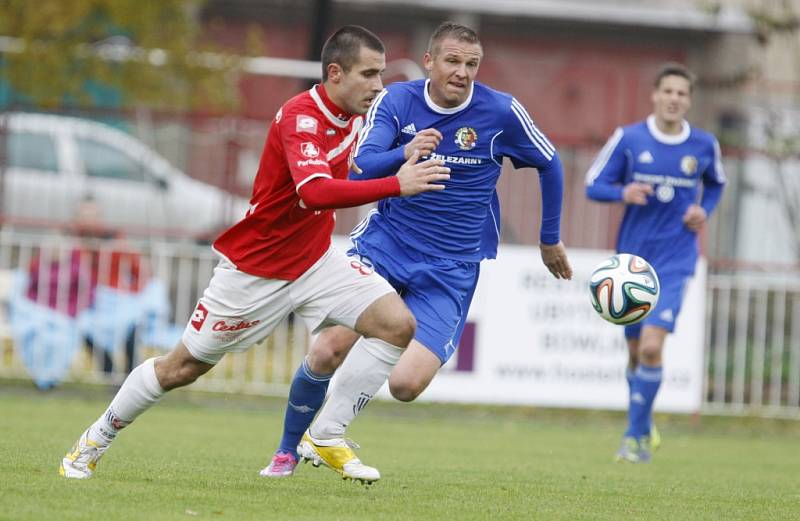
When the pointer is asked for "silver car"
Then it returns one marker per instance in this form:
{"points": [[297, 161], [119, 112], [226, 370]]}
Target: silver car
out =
{"points": [[53, 162]]}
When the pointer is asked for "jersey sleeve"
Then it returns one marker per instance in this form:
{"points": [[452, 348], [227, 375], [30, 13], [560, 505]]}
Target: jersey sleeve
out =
{"points": [[605, 178], [302, 139], [377, 153], [713, 180], [523, 143]]}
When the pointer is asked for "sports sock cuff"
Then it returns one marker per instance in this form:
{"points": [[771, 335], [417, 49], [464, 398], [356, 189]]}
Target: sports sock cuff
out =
{"points": [[311, 375], [150, 380], [650, 373], [382, 350]]}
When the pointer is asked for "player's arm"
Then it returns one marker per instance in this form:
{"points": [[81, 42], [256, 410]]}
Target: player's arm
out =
{"points": [[526, 145], [713, 182], [605, 178], [322, 193], [378, 153]]}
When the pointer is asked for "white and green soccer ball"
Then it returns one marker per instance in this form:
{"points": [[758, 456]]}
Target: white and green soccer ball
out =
{"points": [[624, 289]]}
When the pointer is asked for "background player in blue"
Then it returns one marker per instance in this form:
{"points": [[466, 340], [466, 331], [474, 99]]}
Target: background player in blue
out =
{"points": [[656, 167], [428, 250]]}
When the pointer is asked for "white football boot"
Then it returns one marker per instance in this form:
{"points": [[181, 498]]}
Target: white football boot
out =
{"points": [[81, 461]]}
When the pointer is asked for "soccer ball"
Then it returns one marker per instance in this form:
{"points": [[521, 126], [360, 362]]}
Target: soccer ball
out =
{"points": [[624, 289]]}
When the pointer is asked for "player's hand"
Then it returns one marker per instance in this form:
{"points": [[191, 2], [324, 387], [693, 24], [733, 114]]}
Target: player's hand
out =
{"points": [[416, 177], [351, 161], [425, 142], [695, 217], [636, 193], [555, 258]]}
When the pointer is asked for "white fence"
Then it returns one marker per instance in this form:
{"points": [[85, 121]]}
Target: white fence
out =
{"points": [[753, 345], [752, 337], [62, 273]]}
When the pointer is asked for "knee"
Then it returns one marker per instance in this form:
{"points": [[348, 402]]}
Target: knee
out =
{"points": [[405, 390], [326, 356], [650, 352]]}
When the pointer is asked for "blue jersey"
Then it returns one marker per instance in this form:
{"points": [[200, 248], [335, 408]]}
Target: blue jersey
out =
{"points": [[675, 166], [461, 222]]}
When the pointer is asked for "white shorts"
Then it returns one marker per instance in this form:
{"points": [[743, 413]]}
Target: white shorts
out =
{"points": [[237, 309]]}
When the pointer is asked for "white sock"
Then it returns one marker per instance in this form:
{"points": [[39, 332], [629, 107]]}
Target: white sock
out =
{"points": [[138, 393], [363, 372]]}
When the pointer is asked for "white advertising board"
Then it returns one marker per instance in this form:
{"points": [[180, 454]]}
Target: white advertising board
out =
{"points": [[538, 341], [534, 340]]}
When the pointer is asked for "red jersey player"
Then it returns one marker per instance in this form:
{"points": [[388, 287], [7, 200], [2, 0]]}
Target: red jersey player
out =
{"points": [[279, 258]]}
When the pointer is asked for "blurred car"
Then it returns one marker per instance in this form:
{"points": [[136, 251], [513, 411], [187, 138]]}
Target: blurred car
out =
{"points": [[54, 162]]}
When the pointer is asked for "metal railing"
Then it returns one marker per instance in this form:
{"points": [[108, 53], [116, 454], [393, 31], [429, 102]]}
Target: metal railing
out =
{"points": [[753, 345], [752, 348]]}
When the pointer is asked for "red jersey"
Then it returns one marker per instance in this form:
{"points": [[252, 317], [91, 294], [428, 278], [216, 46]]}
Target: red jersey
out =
{"points": [[279, 238]]}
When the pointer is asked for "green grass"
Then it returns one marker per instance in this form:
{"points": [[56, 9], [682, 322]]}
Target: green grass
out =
{"points": [[197, 457]]}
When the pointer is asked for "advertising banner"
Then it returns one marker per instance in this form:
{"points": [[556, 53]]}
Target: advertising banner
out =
{"points": [[534, 340]]}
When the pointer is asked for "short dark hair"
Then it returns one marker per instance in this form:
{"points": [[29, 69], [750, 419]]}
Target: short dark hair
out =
{"points": [[459, 32], [344, 47], [674, 69]]}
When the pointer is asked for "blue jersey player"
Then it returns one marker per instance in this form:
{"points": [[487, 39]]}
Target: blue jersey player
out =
{"points": [[670, 177], [428, 248]]}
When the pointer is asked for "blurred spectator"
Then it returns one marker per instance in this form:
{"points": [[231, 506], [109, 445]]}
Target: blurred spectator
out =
{"points": [[68, 283]]}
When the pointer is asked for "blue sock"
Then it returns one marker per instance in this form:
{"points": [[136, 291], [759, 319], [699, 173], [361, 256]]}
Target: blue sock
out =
{"points": [[305, 398], [629, 377], [646, 382]]}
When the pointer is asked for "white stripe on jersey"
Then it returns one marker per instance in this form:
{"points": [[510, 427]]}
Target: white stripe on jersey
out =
{"points": [[370, 119], [321, 106], [346, 141], [491, 150], [533, 127], [603, 157], [533, 133], [309, 178], [362, 226], [718, 168]]}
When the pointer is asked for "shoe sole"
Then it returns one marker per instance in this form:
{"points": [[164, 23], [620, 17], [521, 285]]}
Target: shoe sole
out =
{"points": [[308, 454], [62, 471]]}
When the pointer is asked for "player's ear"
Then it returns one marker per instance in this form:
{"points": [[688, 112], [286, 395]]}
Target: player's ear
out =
{"points": [[334, 72], [427, 61]]}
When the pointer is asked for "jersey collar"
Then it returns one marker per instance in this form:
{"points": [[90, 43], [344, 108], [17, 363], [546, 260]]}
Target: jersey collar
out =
{"points": [[337, 116], [442, 110], [668, 139]]}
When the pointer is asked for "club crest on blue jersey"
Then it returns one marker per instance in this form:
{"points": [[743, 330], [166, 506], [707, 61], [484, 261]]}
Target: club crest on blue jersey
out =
{"points": [[689, 165], [466, 137]]}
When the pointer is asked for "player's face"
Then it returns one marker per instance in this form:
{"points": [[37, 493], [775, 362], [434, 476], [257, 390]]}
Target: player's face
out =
{"points": [[358, 87], [452, 66], [672, 99]]}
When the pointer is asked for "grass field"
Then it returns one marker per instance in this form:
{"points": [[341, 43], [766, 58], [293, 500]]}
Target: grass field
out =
{"points": [[198, 456]]}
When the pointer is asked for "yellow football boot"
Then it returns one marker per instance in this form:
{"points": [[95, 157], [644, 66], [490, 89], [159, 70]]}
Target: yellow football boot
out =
{"points": [[338, 455]]}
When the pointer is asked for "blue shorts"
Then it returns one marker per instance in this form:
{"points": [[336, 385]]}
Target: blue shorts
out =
{"points": [[666, 312], [438, 291]]}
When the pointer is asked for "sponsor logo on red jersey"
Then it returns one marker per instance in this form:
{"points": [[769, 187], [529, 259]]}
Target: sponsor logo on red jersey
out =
{"points": [[224, 326], [199, 316], [306, 124], [307, 162], [309, 149]]}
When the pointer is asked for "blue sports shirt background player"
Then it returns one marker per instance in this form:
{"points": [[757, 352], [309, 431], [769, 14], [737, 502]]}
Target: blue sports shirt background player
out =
{"points": [[670, 177], [428, 248]]}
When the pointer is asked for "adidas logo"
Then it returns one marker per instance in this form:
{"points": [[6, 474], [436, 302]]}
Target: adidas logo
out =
{"points": [[666, 315], [410, 129], [303, 409], [646, 157]]}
